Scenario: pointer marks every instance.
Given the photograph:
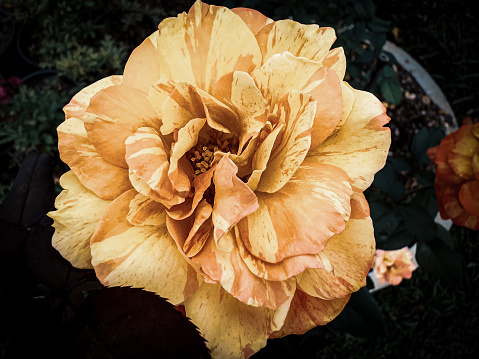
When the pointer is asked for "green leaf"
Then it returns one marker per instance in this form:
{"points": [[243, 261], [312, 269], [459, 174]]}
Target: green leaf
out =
{"points": [[441, 260], [422, 141], [391, 91], [426, 198], [418, 221], [399, 239], [387, 180], [388, 72]]}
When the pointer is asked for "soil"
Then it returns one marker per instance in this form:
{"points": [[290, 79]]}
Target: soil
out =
{"points": [[415, 111]]}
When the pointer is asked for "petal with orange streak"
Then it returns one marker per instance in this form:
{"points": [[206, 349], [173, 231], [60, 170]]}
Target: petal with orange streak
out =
{"points": [[146, 212], [75, 220], [361, 145], [227, 268], [148, 160], [301, 217], [336, 61], [296, 111], [285, 72], [143, 66], [200, 230], [113, 115], [79, 103], [238, 90], [283, 270], [441, 155], [232, 329], [252, 18], [140, 256], [187, 139], [233, 198], [307, 312], [350, 253], [107, 181], [310, 41], [203, 45]]}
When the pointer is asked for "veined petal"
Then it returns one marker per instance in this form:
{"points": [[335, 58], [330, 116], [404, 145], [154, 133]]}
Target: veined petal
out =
{"points": [[75, 220], [301, 217], [361, 145], [238, 90], [233, 198], [147, 158], [455, 208], [146, 212], [307, 312], [283, 270], [350, 253], [107, 181], [113, 115], [232, 329], [203, 45], [227, 267], [141, 257], [143, 66], [310, 41], [200, 230], [296, 110], [336, 61], [79, 103], [252, 18]]}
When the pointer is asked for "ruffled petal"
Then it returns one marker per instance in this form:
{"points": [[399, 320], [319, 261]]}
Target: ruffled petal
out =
{"points": [[146, 212], [107, 181], [336, 61], [307, 312], [310, 41], [148, 160], [301, 217], [75, 220], [113, 115], [440, 156], [296, 111], [141, 257], [205, 44], [143, 66], [232, 329], [79, 103], [361, 145], [238, 90], [454, 207], [252, 18], [233, 198], [350, 253]]}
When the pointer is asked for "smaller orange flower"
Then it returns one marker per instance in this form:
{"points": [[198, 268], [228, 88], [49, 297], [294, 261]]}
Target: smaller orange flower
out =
{"points": [[457, 176], [393, 266]]}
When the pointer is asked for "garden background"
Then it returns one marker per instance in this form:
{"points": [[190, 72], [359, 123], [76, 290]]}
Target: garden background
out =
{"points": [[56, 47]]}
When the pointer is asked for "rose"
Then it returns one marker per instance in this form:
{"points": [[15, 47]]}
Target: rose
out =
{"points": [[393, 266], [457, 176], [225, 171]]}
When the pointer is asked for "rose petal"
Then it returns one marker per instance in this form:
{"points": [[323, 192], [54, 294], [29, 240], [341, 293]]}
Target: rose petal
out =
{"points": [[203, 45], [307, 312], [146, 212], [233, 198], [143, 66], [296, 111], [75, 220], [252, 18], [336, 61], [310, 41], [107, 181], [141, 257], [113, 115], [79, 103], [361, 145], [200, 230], [238, 90], [232, 329], [227, 268], [316, 204], [441, 154], [351, 253], [455, 210]]}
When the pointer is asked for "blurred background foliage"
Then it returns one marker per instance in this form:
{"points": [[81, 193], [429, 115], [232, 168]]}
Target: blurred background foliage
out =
{"points": [[58, 47]]}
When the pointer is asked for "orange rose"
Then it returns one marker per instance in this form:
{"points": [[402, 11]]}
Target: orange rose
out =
{"points": [[457, 176], [393, 266], [225, 171]]}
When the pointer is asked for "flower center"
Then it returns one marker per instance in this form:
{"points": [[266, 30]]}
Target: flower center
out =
{"points": [[202, 155]]}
